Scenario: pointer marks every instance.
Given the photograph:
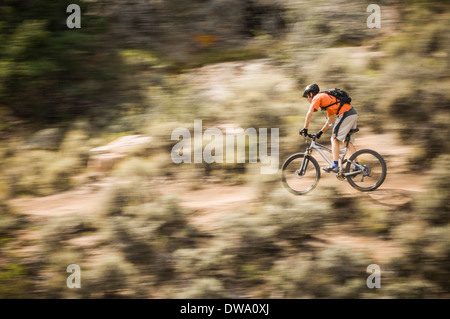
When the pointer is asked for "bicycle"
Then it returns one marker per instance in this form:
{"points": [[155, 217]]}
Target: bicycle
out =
{"points": [[365, 170]]}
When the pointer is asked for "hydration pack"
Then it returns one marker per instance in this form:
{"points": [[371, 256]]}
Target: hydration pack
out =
{"points": [[341, 96]]}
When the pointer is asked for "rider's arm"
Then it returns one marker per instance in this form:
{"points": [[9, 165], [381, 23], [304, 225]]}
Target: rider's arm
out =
{"points": [[329, 123], [309, 116], [325, 126], [314, 107]]}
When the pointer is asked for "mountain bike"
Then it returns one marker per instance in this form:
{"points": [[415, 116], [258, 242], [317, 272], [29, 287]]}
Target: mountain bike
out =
{"points": [[365, 170]]}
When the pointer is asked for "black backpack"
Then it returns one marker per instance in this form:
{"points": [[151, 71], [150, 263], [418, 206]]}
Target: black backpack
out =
{"points": [[341, 96]]}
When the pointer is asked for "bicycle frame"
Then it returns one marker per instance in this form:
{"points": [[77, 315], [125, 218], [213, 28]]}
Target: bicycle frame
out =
{"points": [[320, 149]]}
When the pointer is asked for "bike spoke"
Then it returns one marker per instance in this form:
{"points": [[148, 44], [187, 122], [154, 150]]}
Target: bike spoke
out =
{"points": [[306, 180], [369, 173]]}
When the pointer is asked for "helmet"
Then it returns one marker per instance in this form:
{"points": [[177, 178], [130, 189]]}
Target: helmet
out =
{"points": [[312, 88]]}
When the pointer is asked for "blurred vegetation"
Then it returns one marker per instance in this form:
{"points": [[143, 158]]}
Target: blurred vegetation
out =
{"points": [[64, 92], [48, 73]]}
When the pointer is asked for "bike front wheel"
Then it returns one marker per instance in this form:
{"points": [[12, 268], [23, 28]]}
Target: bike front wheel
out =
{"points": [[369, 173], [297, 180]]}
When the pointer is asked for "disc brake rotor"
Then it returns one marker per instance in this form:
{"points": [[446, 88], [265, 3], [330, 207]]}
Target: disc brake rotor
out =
{"points": [[366, 171]]}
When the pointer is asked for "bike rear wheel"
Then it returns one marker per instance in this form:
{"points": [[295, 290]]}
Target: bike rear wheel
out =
{"points": [[372, 170], [297, 182]]}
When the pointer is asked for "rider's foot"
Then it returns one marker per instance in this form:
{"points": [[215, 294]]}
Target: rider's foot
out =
{"points": [[331, 169]]}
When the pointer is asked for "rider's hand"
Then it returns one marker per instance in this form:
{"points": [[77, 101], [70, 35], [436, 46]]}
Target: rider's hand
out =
{"points": [[319, 134], [303, 132]]}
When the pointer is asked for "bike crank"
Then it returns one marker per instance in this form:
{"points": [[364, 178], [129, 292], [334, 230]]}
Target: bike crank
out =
{"points": [[340, 176]]}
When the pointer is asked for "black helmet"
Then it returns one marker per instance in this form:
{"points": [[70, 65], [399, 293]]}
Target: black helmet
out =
{"points": [[312, 88]]}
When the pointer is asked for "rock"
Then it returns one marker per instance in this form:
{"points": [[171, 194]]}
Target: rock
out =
{"points": [[124, 145], [46, 139], [105, 157]]}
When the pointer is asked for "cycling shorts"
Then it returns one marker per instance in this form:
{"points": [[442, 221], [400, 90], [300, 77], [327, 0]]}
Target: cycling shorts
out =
{"points": [[343, 124]]}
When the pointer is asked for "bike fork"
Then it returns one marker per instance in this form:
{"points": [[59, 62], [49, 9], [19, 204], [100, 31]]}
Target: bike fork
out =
{"points": [[304, 165]]}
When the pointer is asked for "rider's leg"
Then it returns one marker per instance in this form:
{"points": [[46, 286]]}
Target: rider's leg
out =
{"points": [[335, 146], [343, 125], [351, 148], [335, 154], [335, 149]]}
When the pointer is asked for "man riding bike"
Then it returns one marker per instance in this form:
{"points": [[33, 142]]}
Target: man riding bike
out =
{"points": [[342, 117]]}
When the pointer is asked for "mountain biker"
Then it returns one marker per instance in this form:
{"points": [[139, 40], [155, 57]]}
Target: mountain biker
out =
{"points": [[342, 122]]}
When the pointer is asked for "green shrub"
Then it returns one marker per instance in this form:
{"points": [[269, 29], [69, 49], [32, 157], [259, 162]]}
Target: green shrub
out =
{"points": [[59, 230], [374, 220], [433, 204], [9, 220], [438, 257], [14, 282], [43, 172], [296, 220], [120, 195], [137, 167], [202, 288], [408, 289], [43, 56], [75, 145], [425, 256], [112, 277], [147, 232], [51, 277], [216, 259], [333, 272]]}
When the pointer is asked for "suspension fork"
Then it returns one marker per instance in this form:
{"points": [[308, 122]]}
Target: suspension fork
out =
{"points": [[305, 162]]}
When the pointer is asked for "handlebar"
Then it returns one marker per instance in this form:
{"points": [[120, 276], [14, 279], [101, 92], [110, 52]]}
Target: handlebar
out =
{"points": [[313, 136]]}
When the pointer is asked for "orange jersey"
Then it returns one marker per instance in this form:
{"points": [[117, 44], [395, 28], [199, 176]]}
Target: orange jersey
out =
{"points": [[323, 99]]}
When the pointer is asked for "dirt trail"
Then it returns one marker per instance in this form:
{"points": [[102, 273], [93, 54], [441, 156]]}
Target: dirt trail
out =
{"points": [[213, 201], [84, 199], [215, 198]]}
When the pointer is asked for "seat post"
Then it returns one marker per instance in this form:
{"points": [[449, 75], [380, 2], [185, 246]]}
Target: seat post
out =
{"points": [[347, 138]]}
